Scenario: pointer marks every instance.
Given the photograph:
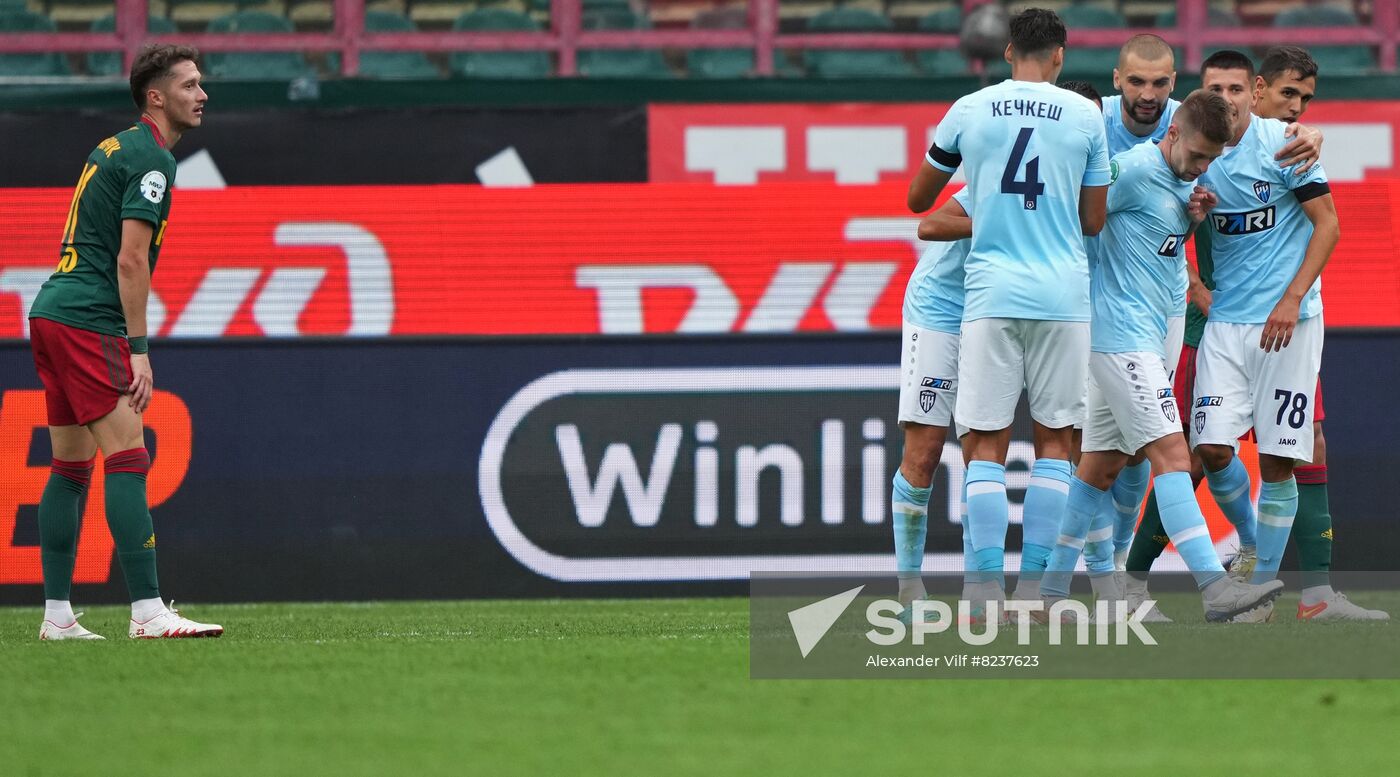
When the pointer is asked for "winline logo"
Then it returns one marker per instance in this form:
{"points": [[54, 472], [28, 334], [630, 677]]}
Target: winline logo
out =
{"points": [[1112, 624]]}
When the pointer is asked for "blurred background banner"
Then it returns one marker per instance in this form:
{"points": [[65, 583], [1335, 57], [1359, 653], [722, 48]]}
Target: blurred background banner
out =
{"points": [[569, 259], [660, 465]]}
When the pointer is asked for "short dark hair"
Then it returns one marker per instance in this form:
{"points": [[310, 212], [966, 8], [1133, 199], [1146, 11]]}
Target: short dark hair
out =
{"points": [[1228, 59], [1148, 47], [1280, 60], [154, 63], [1036, 32], [1207, 113], [1083, 89]]}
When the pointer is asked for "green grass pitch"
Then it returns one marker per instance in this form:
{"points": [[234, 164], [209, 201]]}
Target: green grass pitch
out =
{"points": [[617, 687]]}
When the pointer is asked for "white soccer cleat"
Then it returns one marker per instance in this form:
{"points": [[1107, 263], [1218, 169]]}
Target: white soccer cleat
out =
{"points": [[1136, 593], [169, 624], [49, 631], [1236, 597], [1338, 607], [1241, 565], [1261, 614]]}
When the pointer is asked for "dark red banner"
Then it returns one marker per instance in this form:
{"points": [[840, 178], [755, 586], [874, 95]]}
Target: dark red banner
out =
{"points": [[623, 258]]}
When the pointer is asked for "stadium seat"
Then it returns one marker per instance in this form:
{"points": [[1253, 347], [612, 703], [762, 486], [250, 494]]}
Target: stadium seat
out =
{"points": [[498, 64], [620, 63], [17, 20], [1091, 61], [720, 63], [109, 63], [854, 63], [388, 64], [941, 62], [1330, 59], [195, 12], [65, 13], [434, 12], [259, 66]]}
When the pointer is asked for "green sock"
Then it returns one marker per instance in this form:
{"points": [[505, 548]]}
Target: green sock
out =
{"points": [[130, 521], [1149, 541], [59, 512], [1312, 531]]}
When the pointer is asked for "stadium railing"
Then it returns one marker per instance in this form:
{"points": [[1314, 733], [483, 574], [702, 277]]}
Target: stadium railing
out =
{"points": [[566, 37]]}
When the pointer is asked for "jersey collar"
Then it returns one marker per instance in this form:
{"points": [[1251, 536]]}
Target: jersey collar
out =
{"points": [[154, 129]]}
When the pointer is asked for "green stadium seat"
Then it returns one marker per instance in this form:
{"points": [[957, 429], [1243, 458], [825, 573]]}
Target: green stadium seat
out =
{"points": [[109, 63], [1330, 59], [259, 66], [65, 13], [854, 63], [388, 64], [941, 62], [720, 63], [498, 64], [195, 12], [620, 63], [17, 20], [1091, 61]]}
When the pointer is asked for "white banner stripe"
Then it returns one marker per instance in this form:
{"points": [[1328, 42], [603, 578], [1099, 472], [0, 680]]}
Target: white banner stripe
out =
{"points": [[1050, 483], [1195, 532], [985, 487]]}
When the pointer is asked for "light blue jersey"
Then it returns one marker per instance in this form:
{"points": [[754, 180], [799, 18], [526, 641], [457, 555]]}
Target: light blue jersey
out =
{"points": [[1261, 231], [1142, 251], [1029, 148], [1120, 139], [934, 297]]}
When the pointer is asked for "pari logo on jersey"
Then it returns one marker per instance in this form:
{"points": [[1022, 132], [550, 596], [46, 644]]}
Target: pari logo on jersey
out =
{"points": [[1247, 223], [1171, 246], [662, 474]]}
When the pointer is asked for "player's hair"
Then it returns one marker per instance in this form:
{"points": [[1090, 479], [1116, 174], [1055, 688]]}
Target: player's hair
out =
{"points": [[1280, 60], [1228, 59], [1083, 89], [1036, 32], [154, 63], [1207, 113], [1147, 47]]}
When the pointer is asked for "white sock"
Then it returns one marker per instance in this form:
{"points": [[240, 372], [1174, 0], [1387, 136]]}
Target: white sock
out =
{"points": [[1120, 560], [911, 588], [1316, 594], [146, 609], [1106, 587], [1028, 590], [59, 612]]}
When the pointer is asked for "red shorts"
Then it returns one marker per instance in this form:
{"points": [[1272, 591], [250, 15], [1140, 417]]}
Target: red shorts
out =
{"points": [[84, 373], [1184, 382]]}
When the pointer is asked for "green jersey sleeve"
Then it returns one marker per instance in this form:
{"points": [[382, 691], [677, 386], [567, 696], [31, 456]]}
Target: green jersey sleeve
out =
{"points": [[148, 181]]}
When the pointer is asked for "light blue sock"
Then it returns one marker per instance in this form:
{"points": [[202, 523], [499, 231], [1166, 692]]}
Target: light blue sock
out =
{"points": [[1128, 492], [969, 555], [1182, 519], [1040, 518], [987, 517], [1098, 543], [1230, 487], [910, 506], [1080, 509], [1278, 504]]}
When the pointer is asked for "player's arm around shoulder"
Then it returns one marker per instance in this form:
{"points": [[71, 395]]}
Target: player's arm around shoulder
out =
{"points": [[950, 222], [942, 160]]}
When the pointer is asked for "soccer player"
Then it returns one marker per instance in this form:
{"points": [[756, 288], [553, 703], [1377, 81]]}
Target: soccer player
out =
{"points": [[88, 334], [928, 392], [1153, 206], [1037, 169], [1258, 359]]}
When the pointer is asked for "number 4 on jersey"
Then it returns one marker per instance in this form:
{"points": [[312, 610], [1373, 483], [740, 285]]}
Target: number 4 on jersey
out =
{"points": [[1031, 187]]}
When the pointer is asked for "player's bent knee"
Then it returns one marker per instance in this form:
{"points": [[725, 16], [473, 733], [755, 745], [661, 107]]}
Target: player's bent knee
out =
{"points": [[1215, 457], [1273, 469]]}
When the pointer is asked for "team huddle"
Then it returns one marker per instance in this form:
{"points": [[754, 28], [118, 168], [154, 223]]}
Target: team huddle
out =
{"points": [[1061, 269]]}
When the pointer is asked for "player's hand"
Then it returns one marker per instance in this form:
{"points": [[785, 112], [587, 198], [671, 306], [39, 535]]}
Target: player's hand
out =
{"points": [[142, 381], [1278, 330], [1305, 149], [1202, 201], [1200, 295]]}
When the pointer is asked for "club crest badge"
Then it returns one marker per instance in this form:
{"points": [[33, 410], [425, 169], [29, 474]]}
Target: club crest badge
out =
{"points": [[1261, 190]]}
